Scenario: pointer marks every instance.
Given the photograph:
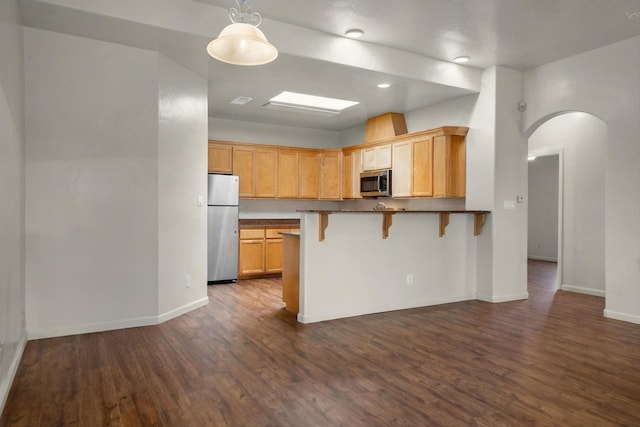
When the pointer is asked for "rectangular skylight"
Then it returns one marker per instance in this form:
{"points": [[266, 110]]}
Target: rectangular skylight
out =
{"points": [[294, 99]]}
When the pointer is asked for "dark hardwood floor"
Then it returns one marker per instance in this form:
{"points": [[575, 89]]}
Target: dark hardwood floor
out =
{"points": [[552, 360]]}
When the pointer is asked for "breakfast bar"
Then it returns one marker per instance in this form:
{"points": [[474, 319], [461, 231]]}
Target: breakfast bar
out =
{"points": [[347, 268]]}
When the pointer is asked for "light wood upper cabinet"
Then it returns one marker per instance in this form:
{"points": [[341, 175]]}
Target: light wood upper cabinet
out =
{"points": [[244, 159], [331, 174], [402, 163], [376, 157], [422, 168], [429, 163], [352, 166], [287, 173], [449, 164], [220, 158], [266, 173], [309, 175]]}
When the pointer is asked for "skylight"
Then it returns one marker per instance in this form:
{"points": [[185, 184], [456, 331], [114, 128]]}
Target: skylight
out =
{"points": [[294, 99]]}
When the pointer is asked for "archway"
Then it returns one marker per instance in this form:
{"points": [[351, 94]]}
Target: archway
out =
{"points": [[579, 141]]}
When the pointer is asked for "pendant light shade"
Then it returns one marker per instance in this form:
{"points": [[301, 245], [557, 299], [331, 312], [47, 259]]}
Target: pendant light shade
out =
{"points": [[242, 44]]}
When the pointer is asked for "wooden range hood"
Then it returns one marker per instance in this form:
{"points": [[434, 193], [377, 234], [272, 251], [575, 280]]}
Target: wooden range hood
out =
{"points": [[384, 126]]}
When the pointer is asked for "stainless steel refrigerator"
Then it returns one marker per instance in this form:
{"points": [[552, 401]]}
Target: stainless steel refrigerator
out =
{"points": [[222, 240]]}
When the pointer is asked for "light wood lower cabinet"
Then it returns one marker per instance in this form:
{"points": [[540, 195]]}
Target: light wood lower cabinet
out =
{"points": [[252, 248], [261, 251]]}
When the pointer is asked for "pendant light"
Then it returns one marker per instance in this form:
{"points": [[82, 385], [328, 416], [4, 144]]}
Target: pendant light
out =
{"points": [[241, 42]]}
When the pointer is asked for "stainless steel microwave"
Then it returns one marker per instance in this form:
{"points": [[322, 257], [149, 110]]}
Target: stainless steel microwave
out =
{"points": [[375, 183]]}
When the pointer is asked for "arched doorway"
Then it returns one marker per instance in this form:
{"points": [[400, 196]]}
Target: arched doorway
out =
{"points": [[579, 141]]}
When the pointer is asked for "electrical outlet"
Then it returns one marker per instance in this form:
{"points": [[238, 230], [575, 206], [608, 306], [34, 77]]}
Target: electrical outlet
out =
{"points": [[409, 279], [200, 201], [187, 282]]}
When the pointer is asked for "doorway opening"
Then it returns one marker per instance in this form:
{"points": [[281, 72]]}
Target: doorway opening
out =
{"points": [[578, 141]]}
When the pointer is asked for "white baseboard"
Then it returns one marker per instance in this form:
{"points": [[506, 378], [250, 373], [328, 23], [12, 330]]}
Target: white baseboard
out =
{"points": [[503, 298], [182, 310], [542, 258], [625, 317], [588, 291], [321, 317], [5, 386], [117, 324]]}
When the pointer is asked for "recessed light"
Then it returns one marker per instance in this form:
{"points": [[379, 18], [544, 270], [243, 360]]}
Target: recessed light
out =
{"points": [[531, 158], [461, 59], [384, 85], [354, 33], [633, 14]]}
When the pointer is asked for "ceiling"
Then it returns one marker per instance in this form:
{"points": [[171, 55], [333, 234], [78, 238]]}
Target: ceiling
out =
{"points": [[409, 44]]}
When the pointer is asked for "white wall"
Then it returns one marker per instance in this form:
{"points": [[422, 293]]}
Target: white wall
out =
{"points": [[182, 172], [263, 133], [355, 271], [12, 294], [92, 184], [590, 83], [543, 208], [582, 139]]}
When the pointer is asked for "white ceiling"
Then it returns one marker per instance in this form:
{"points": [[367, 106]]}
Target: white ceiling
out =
{"points": [[407, 43]]}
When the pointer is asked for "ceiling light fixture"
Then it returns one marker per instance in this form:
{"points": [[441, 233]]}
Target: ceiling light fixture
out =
{"points": [[354, 33], [309, 103], [461, 59], [531, 158], [241, 42], [384, 85]]}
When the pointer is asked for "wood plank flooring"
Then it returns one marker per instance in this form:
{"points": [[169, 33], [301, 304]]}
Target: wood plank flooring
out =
{"points": [[552, 360]]}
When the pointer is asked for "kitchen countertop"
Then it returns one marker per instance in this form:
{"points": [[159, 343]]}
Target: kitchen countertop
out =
{"points": [[390, 210], [267, 222]]}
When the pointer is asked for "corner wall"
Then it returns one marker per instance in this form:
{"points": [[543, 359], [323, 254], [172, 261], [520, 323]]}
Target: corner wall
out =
{"points": [[589, 83], [13, 333], [91, 184], [182, 177]]}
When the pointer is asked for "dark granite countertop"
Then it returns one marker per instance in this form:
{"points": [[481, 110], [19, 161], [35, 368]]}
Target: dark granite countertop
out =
{"points": [[265, 222]]}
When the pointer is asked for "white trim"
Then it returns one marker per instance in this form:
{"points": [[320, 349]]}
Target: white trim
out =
{"points": [[504, 298], [118, 324], [182, 310], [302, 318], [632, 318], [5, 386], [587, 291], [542, 258]]}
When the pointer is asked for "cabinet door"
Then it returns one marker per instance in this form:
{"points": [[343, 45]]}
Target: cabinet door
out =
{"points": [[401, 178], [378, 157], [287, 174], [244, 167], [309, 175], [251, 257], [449, 172], [422, 168], [383, 157], [266, 162], [273, 256], [331, 174], [347, 175], [219, 158], [369, 159]]}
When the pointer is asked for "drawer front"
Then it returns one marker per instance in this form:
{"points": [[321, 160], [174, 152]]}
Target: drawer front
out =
{"points": [[252, 233]]}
